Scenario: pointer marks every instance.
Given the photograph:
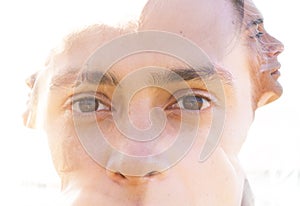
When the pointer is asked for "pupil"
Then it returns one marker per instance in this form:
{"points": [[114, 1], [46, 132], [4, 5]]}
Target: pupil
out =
{"points": [[88, 105], [192, 103]]}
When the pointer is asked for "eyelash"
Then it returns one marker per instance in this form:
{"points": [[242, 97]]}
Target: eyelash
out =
{"points": [[100, 101], [259, 35], [258, 32], [206, 102]]}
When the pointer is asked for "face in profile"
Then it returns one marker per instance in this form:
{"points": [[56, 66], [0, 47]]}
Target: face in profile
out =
{"points": [[129, 115], [263, 50]]}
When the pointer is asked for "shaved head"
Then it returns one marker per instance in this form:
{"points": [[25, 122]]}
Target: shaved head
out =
{"points": [[199, 21]]}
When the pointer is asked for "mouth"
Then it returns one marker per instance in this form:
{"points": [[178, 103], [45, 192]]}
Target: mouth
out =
{"points": [[275, 74], [272, 69]]}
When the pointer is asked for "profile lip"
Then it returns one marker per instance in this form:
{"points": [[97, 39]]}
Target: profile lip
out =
{"points": [[271, 67], [152, 173], [275, 71]]}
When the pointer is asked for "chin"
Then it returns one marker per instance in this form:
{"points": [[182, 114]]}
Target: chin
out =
{"points": [[271, 88], [125, 201]]}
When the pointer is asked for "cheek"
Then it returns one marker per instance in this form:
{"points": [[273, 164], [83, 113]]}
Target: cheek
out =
{"points": [[197, 132], [190, 128], [238, 115], [256, 54], [66, 150], [219, 180]]}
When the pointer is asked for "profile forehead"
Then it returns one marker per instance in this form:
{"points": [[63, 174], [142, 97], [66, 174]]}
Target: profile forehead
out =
{"points": [[184, 13], [251, 11], [210, 24]]}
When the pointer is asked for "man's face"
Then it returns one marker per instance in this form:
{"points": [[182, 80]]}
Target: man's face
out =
{"points": [[263, 52], [148, 89]]}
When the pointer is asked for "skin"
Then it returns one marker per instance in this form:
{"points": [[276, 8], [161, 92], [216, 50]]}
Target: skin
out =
{"points": [[217, 181], [263, 51]]}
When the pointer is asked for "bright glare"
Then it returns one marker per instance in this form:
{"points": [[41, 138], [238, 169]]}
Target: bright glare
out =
{"points": [[271, 154]]}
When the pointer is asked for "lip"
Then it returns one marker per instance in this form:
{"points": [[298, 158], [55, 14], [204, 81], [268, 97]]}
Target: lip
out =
{"points": [[275, 74], [272, 68]]}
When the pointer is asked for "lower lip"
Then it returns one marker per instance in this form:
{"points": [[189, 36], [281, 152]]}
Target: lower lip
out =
{"points": [[275, 74]]}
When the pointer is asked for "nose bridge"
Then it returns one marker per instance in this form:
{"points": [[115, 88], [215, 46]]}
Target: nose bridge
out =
{"points": [[139, 109]]}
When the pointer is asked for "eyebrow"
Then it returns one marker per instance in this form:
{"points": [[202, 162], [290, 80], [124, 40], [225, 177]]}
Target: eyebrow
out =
{"points": [[258, 21], [191, 74], [175, 74], [73, 79]]}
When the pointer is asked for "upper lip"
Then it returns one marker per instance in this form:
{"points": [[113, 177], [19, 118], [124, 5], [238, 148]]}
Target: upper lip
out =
{"points": [[271, 67]]}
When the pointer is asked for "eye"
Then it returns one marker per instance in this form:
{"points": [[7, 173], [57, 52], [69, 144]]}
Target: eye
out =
{"points": [[259, 34], [191, 102], [258, 31], [88, 105]]}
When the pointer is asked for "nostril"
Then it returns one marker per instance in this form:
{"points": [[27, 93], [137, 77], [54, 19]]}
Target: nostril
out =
{"points": [[277, 53], [278, 49], [151, 174], [120, 175], [116, 176]]}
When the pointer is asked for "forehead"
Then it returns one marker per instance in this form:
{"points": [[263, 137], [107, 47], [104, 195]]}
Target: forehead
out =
{"points": [[79, 51], [251, 11], [209, 24], [73, 65], [79, 46], [212, 25]]}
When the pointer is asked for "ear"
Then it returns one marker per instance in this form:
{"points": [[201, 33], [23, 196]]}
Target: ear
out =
{"points": [[29, 116]]}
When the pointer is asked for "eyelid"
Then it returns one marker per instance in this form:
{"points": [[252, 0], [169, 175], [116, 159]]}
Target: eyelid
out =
{"points": [[258, 22], [254, 23], [102, 98], [196, 92], [192, 92], [256, 31]]}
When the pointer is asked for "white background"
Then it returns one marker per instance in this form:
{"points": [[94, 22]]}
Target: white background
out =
{"points": [[29, 29]]}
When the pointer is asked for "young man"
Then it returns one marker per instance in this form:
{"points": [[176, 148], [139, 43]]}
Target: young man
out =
{"points": [[156, 113]]}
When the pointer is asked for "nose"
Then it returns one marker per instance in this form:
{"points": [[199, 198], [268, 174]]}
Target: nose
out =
{"points": [[120, 178], [141, 119], [274, 47], [139, 114]]}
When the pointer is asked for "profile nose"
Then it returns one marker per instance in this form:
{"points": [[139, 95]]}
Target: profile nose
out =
{"points": [[275, 47]]}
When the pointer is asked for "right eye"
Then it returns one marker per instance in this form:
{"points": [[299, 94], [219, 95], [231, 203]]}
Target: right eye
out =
{"points": [[88, 105]]}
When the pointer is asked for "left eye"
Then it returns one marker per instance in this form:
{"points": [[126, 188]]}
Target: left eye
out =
{"points": [[259, 31], [191, 102], [87, 105], [259, 35]]}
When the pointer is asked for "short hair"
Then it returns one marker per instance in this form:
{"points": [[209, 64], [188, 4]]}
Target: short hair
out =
{"points": [[239, 5]]}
